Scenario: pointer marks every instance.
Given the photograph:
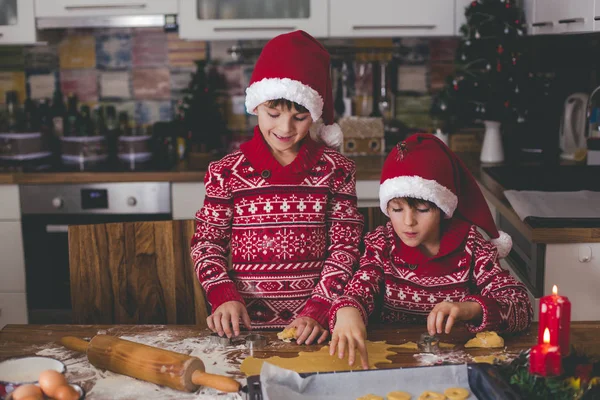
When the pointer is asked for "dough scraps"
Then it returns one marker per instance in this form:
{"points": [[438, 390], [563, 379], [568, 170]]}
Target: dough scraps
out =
{"points": [[489, 359], [287, 334], [414, 346], [320, 361], [486, 340]]}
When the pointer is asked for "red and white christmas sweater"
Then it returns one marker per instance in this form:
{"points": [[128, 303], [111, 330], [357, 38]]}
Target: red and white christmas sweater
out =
{"points": [[397, 283], [293, 232]]}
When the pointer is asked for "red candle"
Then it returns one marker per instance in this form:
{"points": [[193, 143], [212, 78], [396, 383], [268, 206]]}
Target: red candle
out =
{"points": [[555, 315], [545, 359]]}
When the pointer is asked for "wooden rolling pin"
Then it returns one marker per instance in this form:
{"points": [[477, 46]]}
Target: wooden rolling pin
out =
{"points": [[151, 364]]}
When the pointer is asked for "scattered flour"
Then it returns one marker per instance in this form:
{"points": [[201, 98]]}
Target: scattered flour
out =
{"points": [[455, 357], [108, 385]]}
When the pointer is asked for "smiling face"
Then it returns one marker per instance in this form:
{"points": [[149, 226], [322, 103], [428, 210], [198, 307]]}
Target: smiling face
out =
{"points": [[283, 125], [417, 223]]}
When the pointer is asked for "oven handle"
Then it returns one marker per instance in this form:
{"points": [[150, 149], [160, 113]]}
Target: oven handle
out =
{"points": [[57, 228]]}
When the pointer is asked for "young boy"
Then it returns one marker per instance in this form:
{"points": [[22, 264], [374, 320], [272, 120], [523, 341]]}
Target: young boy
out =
{"points": [[283, 205], [430, 263]]}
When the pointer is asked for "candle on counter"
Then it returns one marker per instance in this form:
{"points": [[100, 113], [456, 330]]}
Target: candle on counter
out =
{"points": [[555, 315], [545, 358]]}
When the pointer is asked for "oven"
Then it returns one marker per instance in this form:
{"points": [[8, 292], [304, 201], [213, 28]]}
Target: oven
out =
{"points": [[46, 213]]}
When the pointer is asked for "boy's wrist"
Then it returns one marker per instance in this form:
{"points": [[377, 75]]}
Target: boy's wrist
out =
{"points": [[474, 310]]}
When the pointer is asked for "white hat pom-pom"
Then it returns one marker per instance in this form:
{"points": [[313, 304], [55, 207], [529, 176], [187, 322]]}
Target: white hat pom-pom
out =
{"points": [[503, 243], [331, 135]]}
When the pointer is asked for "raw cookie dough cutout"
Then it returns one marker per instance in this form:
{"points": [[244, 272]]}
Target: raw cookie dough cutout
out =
{"points": [[287, 334], [456, 393], [486, 340], [320, 361], [397, 395], [429, 395]]}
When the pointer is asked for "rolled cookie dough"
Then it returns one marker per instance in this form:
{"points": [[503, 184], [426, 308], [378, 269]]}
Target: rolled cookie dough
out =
{"points": [[287, 334], [485, 340], [414, 346]]}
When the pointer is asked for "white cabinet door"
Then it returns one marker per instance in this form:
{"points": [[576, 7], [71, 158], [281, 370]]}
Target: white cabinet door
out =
{"points": [[384, 18], [577, 16], [251, 19], [460, 18], [187, 199], [9, 198], [12, 264], [17, 22], [13, 308], [529, 11], [93, 8], [545, 17], [596, 15]]}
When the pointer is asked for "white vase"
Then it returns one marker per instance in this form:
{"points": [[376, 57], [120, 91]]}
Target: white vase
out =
{"points": [[492, 150]]}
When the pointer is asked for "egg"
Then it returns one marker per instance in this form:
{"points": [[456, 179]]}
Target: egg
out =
{"points": [[34, 397], [65, 392], [50, 380], [27, 391]]}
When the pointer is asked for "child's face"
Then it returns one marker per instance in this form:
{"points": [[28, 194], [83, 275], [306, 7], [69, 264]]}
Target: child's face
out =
{"points": [[418, 226], [283, 129]]}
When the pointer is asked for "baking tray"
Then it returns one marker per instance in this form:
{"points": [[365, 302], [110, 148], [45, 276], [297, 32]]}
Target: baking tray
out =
{"points": [[485, 383]]}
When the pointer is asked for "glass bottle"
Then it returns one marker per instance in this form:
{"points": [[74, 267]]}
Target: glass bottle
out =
{"points": [[58, 113], [124, 127], [72, 117], [12, 112], [85, 125], [30, 118]]}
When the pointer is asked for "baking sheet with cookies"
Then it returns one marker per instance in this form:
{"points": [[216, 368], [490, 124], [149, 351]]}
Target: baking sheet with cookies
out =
{"points": [[278, 383]]}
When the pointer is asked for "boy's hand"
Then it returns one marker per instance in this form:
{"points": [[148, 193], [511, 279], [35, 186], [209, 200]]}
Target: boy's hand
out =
{"points": [[465, 311], [307, 330], [226, 316], [349, 331]]}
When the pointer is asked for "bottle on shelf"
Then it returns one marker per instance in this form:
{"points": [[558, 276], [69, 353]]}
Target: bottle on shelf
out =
{"points": [[72, 116], [58, 113], [12, 112], [98, 121], [30, 117], [124, 127], [85, 125]]}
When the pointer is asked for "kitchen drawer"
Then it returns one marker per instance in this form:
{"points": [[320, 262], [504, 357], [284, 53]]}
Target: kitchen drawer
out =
{"points": [[12, 266], [13, 309], [91, 8], [9, 198], [385, 18], [187, 199]]}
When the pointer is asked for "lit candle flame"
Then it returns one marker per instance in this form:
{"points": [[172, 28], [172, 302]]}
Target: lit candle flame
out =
{"points": [[546, 336], [555, 290]]}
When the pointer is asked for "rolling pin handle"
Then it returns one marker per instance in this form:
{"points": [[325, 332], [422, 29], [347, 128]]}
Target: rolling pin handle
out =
{"points": [[219, 382], [74, 343]]}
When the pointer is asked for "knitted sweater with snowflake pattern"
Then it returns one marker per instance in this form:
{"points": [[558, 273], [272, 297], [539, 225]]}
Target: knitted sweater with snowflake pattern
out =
{"points": [[292, 232], [397, 283]]}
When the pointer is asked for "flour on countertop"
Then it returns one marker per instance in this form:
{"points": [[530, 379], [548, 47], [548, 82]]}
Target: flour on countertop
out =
{"points": [[108, 385], [455, 357]]}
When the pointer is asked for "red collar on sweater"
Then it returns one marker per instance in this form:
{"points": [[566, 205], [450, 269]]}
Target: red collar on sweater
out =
{"points": [[454, 236], [260, 157]]}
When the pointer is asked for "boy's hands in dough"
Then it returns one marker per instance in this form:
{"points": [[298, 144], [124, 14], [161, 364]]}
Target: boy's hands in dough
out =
{"points": [[349, 332], [226, 319], [308, 330], [451, 312]]}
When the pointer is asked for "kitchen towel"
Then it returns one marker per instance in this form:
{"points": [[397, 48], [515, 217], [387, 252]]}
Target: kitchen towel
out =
{"points": [[581, 204]]}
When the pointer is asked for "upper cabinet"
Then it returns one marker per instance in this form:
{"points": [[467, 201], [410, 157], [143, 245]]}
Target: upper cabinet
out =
{"points": [[251, 19], [17, 22], [360, 18], [560, 16], [459, 15], [98, 8]]}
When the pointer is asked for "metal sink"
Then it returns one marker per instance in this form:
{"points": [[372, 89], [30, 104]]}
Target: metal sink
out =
{"points": [[547, 178]]}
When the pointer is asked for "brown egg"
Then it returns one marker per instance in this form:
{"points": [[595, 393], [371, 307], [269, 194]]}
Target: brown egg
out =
{"points": [[65, 392], [50, 380], [40, 397], [26, 391]]}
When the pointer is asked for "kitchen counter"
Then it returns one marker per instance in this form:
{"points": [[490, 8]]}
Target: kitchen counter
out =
{"points": [[29, 340]]}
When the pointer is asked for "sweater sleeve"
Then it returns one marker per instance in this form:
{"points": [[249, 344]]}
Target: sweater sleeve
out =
{"points": [[210, 243], [364, 288], [344, 231], [504, 300]]}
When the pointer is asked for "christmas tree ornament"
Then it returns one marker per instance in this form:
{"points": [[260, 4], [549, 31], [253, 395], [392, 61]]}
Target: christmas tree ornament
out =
{"points": [[477, 35]]}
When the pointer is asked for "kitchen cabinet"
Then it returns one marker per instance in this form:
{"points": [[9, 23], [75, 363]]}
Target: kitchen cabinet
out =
{"points": [[13, 303], [96, 8], [559, 16], [359, 18], [17, 22], [251, 19], [596, 15], [459, 15], [186, 199]]}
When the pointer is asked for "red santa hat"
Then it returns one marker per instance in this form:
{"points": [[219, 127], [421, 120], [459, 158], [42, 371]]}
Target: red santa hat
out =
{"points": [[295, 66], [423, 167]]}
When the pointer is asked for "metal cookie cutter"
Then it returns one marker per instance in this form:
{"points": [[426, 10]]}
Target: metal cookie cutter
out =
{"points": [[217, 340], [256, 341], [428, 343]]}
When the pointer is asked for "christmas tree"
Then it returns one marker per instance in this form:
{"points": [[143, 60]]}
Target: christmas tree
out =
{"points": [[491, 80], [199, 112]]}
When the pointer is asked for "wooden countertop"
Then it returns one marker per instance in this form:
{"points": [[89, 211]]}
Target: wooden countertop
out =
{"points": [[27, 340]]}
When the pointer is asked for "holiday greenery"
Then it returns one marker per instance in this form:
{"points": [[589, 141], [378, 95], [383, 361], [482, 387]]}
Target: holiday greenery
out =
{"points": [[579, 380], [491, 78], [199, 113]]}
